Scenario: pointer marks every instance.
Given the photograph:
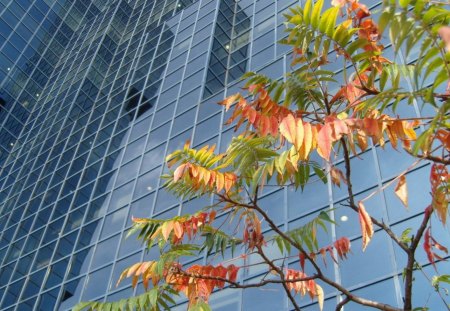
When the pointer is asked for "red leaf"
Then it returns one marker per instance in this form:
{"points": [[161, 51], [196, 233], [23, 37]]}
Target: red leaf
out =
{"points": [[427, 247], [302, 260]]}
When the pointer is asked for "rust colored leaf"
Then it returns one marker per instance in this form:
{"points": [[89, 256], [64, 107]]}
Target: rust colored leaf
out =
{"points": [[232, 272], [401, 190], [302, 258], [366, 225], [212, 216], [336, 176], [342, 247], [444, 137]]}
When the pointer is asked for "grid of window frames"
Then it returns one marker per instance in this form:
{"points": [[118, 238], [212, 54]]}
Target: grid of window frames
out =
{"points": [[94, 94]]}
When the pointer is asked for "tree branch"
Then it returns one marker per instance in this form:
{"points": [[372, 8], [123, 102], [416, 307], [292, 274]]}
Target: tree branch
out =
{"points": [[409, 270], [430, 157], [319, 274], [282, 277], [353, 205], [340, 305]]}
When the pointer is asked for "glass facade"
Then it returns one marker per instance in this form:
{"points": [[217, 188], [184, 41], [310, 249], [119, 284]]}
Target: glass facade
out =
{"points": [[95, 93]]}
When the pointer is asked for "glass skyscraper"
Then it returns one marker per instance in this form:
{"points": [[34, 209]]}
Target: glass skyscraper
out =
{"points": [[95, 93]]}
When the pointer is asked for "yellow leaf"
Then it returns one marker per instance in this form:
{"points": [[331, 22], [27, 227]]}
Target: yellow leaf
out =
{"points": [[307, 141], [220, 181], [440, 204], [320, 296], [166, 229], [401, 191], [133, 269], [366, 225]]}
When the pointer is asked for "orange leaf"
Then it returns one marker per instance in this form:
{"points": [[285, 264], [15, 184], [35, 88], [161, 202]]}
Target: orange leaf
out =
{"points": [[361, 137], [292, 130], [439, 178], [178, 229], [366, 225], [212, 216], [444, 33], [338, 3], [179, 172], [324, 141], [440, 204], [371, 127], [227, 102], [401, 191], [230, 179], [133, 269], [340, 129], [220, 181]]}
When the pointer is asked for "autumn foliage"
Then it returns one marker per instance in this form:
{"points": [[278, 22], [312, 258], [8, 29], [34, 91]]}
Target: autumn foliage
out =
{"points": [[285, 125]]}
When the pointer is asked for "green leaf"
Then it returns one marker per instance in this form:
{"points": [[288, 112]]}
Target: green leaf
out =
{"points": [[324, 216], [421, 140], [82, 305], [316, 13], [355, 45], [385, 19], [445, 278], [327, 21], [153, 296], [405, 238], [279, 242], [307, 12], [320, 173], [404, 3]]}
